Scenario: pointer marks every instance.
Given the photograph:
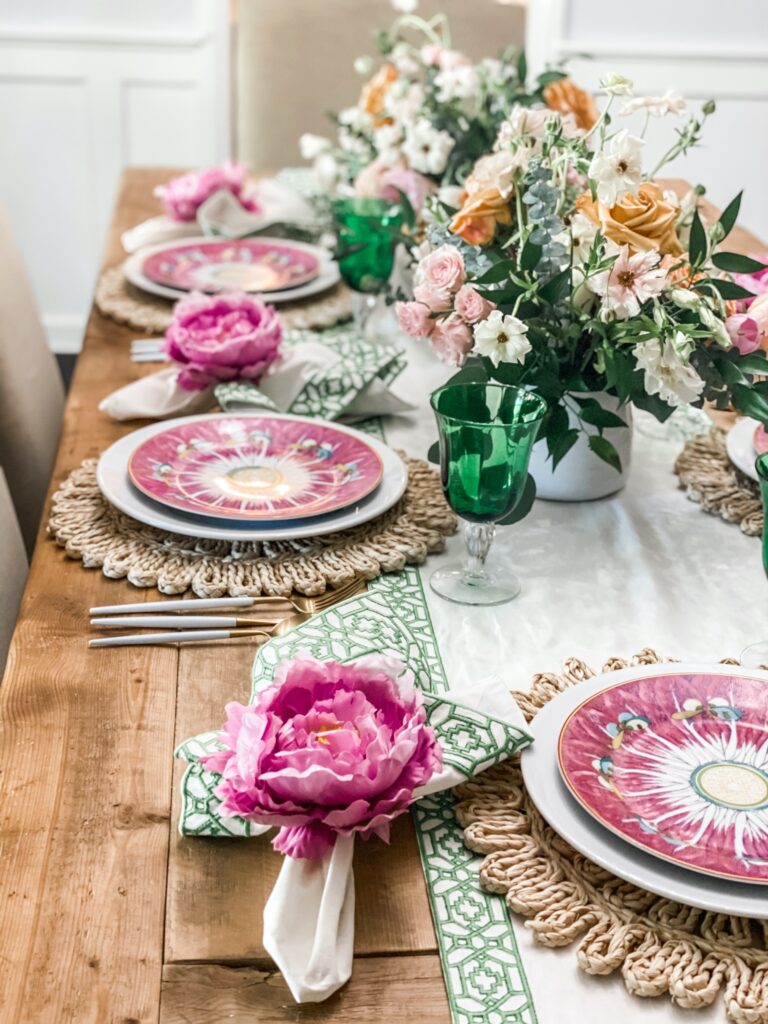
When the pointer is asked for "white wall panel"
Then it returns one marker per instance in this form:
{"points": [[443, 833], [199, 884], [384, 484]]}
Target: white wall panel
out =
{"points": [[86, 89]]}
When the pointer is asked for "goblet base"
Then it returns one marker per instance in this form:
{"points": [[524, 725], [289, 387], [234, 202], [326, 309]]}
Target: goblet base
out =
{"points": [[455, 584]]}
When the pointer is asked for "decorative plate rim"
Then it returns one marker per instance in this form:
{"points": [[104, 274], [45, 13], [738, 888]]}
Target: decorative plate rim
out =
{"points": [[250, 516], [728, 670]]}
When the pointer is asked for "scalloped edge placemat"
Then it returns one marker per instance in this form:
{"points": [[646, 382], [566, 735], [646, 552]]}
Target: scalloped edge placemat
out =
{"points": [[710, 478], [90, 529], [661, 947], [119, 300]]}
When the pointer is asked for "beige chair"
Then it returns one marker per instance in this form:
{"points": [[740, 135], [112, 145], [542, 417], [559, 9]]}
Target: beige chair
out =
{"points": [[31, 392], [294, 62], [13, 569]]}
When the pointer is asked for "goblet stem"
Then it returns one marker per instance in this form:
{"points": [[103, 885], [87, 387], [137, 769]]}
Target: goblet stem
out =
{"points": [[478, 537], [363, 305]]}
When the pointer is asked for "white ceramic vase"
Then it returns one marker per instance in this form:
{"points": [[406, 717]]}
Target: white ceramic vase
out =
{"points": [[581, 475]]}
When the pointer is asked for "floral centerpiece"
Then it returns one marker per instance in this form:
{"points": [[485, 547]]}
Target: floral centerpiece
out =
{"points": [[427, 112], [568, 268]]}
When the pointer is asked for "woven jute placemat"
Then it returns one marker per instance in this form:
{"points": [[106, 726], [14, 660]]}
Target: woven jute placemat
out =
{"points": [[118, 299], [661, 947], [711, 479], [92, 530]]}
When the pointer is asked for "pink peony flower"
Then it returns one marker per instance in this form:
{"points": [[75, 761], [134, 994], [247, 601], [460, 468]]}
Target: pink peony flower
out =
{"points": [[327, 749], [756, 282], [183, 195], [471, 306], [401, 179], [440, 274], [229, 336], [744, 332], [414, 319], [451, 338]]}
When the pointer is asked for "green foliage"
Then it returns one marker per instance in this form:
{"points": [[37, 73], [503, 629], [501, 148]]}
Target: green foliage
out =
{"points": [[605, 451]]}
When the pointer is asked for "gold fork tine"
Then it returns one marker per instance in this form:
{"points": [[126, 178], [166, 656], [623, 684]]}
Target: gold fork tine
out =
{"points": [[331, 597]]}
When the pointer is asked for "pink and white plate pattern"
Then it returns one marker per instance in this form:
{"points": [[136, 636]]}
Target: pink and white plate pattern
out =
{"points": [[677, 764], [244, 265], [255, 467]]}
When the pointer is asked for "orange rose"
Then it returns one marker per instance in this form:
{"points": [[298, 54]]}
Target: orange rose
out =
{"points": [[372, 96], [480, 213], [566, 97], [645, 221]]}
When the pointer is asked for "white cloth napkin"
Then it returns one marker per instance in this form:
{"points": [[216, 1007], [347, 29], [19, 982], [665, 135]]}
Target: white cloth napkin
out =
{"points": [[159, 396], [222, 214], [309, 917]]}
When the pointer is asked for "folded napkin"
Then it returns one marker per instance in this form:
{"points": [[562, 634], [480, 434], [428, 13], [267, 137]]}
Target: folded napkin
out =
{"points": [[222, 214], [327, 375], [309, 917]]}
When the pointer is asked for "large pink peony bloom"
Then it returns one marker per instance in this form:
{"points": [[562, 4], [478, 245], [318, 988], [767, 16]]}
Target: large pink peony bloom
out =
{"points": [[183, 195], [230, 336], [416, 186], [326, 749]]}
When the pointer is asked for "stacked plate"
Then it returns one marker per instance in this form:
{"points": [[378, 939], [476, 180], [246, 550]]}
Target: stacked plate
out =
{"points": [[660, 775], [282, 271], [745, 441], [251, 478]]}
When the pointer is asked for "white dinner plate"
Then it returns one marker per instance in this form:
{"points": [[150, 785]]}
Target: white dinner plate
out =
{"points": [[550, 795], [740, 445], [327, 277], [112, 477]]}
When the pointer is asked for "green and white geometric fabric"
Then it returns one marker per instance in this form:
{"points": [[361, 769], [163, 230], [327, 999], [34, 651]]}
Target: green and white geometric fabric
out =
{"points": [[483, 972], [329, 391]]}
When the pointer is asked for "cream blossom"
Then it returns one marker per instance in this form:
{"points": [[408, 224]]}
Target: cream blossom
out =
{"points": [[668, 373], [629, 281], [312, 146], [403, 59], [387, 141], [355, 118], [363, 65], [658, 106], [496, 170], [616, 85], [405, 6], [579, 237], [326, 171], [502, 338], [618, 170], [427, 148], [460, 82]]}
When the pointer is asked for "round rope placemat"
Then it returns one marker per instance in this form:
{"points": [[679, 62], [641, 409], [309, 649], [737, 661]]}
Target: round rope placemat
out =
{"points": [[711, 479], [118, 299], [659, 946], [92, 530]]}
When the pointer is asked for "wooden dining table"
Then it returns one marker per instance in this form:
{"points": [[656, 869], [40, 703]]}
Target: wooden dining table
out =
{"points": [[107, 913]]}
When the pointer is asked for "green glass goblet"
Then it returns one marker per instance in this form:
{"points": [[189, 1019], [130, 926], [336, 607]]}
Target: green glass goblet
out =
{"points": [[486, 435], [368, 231], [756, 655]]}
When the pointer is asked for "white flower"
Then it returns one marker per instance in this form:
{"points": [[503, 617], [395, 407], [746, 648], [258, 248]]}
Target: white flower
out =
{"points": [[685, 298], [353, 144], [404, 101], [405, 6], [451, 195], [628, 282], [618, 170], [716, 325], [355, 118], [426, 149], [312, 146], [668, 373], [502, 338], [616, 85], [580, 238], [326, 170], [457, 83], [387, 140], [524, 121], [363, 65], [670, 103]]}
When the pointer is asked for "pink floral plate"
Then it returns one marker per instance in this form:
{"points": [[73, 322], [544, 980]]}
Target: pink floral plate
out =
{"points": [[260, 468], [246, 265], [761, 439], [677, 764]]}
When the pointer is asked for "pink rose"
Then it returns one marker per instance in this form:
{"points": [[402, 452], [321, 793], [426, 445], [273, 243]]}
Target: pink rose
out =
{"points": [[183, 195], [414, 319], [452, 340], [756, 282], [744, 332], [471, 305], [327, 749], [229, 336], [441, 273], [401, 179], [436, 301]]}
